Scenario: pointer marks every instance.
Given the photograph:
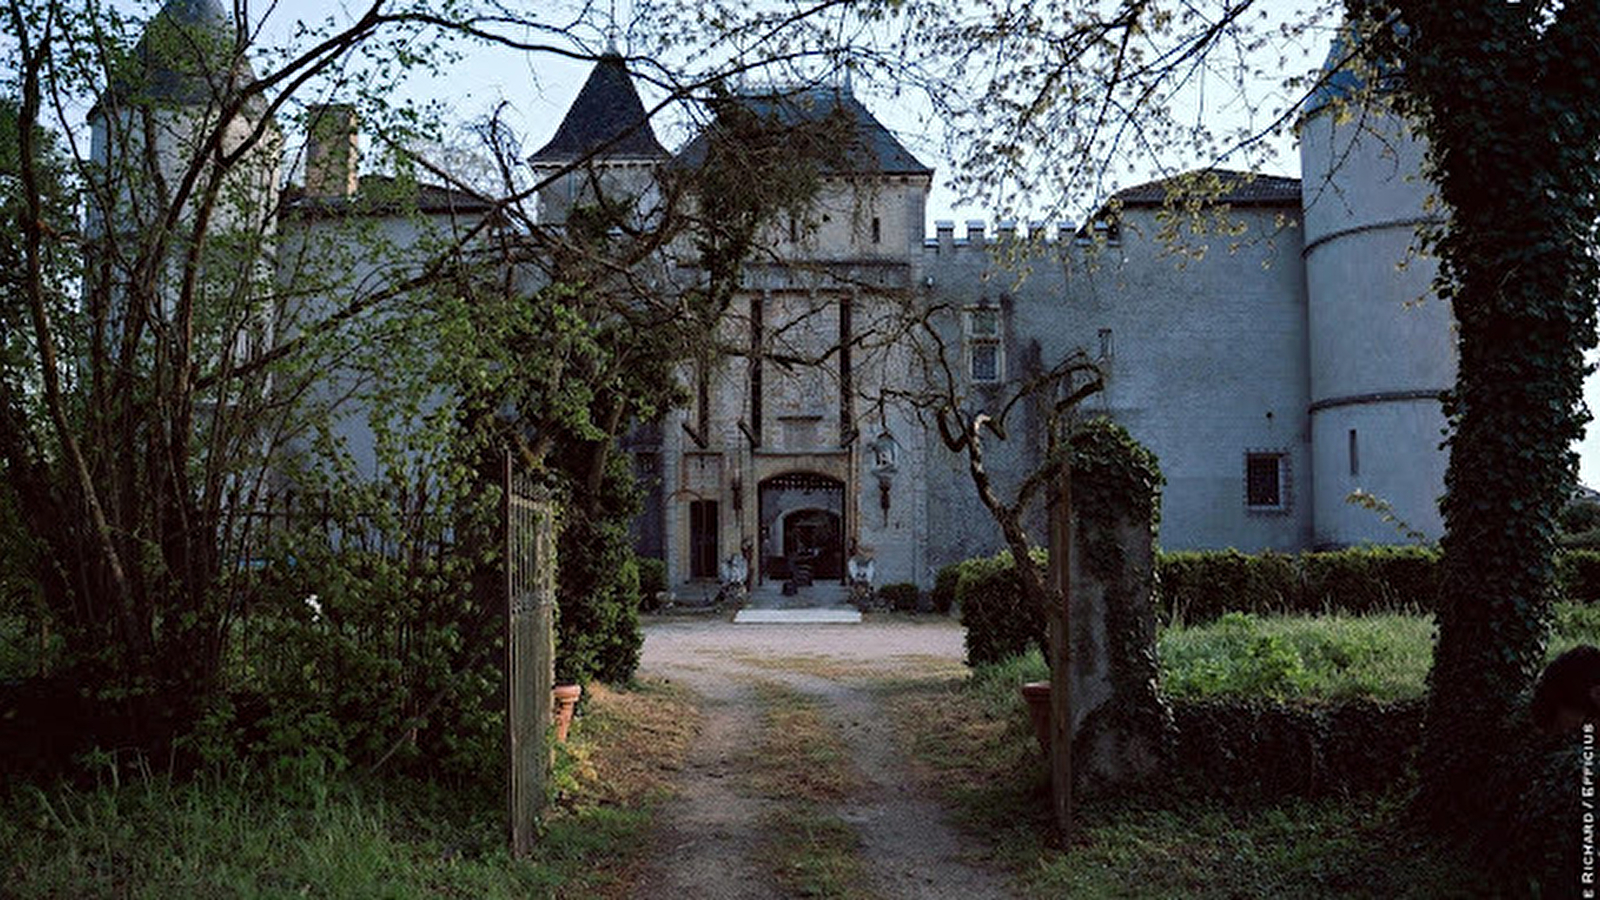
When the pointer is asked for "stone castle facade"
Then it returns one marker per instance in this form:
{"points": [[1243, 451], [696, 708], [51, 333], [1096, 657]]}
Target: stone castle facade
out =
{"points": [[1298, 359], [1275, 366]]}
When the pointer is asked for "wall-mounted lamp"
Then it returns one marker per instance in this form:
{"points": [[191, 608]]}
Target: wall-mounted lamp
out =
{"points": [[885, 464]]}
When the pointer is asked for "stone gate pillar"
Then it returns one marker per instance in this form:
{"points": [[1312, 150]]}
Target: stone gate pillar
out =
{"points": [[1122, 729]]}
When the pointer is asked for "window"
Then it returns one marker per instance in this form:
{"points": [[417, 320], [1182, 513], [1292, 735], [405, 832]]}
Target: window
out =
{"points": [[985, 356], [1355, 455], [1265, 481], [877, 230], [1105, 343]]}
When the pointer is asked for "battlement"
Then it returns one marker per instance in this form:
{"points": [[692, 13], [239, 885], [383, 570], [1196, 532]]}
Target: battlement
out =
{"points": [[1006, 231]]}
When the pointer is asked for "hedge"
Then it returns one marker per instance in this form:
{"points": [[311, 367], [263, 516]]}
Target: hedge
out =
{"points": [[1199, 587], [1266, 749], [901, 596], [1196, 587], [999, 622]]}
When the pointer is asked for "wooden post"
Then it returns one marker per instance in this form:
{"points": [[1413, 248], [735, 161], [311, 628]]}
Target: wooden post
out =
{"points": [[1059, 589]]}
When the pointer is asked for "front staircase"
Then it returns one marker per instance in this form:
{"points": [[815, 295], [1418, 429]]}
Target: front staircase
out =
{"points": [[815, 603]]}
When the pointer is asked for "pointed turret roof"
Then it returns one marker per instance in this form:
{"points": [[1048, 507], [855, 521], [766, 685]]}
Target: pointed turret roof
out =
{"points": [[607, 120], [870, 148], [1346, 72], [187, 55]]}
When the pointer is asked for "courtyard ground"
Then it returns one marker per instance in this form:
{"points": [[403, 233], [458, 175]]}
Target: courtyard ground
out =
{"points": [[798, 783]]}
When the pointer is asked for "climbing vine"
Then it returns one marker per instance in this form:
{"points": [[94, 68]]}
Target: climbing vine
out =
{"points": [[1503, 93]]}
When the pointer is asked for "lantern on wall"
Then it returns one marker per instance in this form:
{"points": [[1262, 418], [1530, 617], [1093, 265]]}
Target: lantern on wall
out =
{"points": [[885, 464]]}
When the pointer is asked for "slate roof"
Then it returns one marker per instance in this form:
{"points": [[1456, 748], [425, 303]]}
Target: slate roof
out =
{"points": [[607, 120], [1344, 73], [873, 149], [182, 57], [1236, 189]]}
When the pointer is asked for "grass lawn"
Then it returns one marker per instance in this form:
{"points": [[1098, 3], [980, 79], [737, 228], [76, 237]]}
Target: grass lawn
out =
{"points": [[233, 834], [1380, 657]]}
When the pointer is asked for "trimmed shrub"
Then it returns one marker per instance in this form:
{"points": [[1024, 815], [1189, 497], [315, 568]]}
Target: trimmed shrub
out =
{"points": [[999, 621], [1201, 586], [943, 595], [900, 597], [1263, 750]]}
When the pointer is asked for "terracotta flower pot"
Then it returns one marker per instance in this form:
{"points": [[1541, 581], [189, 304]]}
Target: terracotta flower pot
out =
{"points": [[566, 699], [1037, 693]]}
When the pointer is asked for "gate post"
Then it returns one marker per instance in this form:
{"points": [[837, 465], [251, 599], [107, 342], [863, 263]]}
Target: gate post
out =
{"points": [[528, 522]]}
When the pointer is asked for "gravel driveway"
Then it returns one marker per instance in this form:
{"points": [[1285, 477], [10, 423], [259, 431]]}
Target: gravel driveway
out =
{"points": [[710, 846]]}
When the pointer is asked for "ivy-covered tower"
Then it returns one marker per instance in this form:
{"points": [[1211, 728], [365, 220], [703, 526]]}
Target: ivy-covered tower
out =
{"points": [[1381, 343]]}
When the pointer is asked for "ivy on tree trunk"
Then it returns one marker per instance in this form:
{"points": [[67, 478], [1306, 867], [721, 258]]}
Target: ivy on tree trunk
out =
{"points": [[1504, 95]]}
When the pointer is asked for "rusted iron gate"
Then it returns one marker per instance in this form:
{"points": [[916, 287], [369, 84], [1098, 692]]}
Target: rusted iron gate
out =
{"points": [[528, 517]]}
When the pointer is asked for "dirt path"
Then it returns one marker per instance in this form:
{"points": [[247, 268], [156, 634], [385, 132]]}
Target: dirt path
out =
{"points": [[714, 842]]}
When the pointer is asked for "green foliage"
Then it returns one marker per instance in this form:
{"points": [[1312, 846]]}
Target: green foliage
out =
{"points": [[1579, 516], [597, 630], [1380, 657], [998, 617], [1198, 586], [1578, 575], [900, 597], [652, 582], [943, 595]]}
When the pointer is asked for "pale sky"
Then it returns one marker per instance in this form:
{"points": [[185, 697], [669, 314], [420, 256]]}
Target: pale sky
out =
{"points": [[538, 88]]}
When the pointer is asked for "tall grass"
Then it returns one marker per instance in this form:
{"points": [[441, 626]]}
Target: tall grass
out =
{"points": [[1290, 657], [234, 832]]}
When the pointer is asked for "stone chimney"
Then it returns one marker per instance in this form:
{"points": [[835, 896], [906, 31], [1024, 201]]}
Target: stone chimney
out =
{"points": [[331, 151]]}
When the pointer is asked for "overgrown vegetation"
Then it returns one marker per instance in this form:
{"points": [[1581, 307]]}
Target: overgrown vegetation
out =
{"points": [[975, 739], [237, 830], [1299, 657], [1195, 587]]}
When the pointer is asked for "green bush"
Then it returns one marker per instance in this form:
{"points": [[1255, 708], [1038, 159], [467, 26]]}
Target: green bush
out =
{"points": [[652, 582], [1201, 586], [999, 621], [943, 595], [1578, 575], [900, 597], [597, 628]]}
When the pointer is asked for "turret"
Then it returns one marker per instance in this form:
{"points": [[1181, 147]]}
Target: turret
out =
{"points": [[184, 75], [1381, 343], [605, 147], [182, 87]]}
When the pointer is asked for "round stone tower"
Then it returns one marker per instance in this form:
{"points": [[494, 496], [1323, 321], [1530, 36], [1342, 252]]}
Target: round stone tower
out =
{"points": [[154, 117], [1381, 343]]}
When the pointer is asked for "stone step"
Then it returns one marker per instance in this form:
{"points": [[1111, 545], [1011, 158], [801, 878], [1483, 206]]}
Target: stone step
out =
{"points": [[813, 616]]}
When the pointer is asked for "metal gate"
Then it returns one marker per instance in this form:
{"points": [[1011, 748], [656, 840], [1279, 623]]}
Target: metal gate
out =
{"points": [[528, 517]]}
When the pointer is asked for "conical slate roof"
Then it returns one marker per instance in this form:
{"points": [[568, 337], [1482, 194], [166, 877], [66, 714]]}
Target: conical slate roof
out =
{"points": [[870, 148], [186, 56], [607, 120], [1345, 72]]}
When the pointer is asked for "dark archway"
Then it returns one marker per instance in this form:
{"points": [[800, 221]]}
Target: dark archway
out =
{"points": [[802, 527]]}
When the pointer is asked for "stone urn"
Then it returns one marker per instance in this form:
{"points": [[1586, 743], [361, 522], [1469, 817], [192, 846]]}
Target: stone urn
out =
{"points": [[1037, 695], [566, 700]]}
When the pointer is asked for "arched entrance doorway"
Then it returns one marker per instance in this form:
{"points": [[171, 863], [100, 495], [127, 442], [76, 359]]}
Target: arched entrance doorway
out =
{"points": [[802, 527]]}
